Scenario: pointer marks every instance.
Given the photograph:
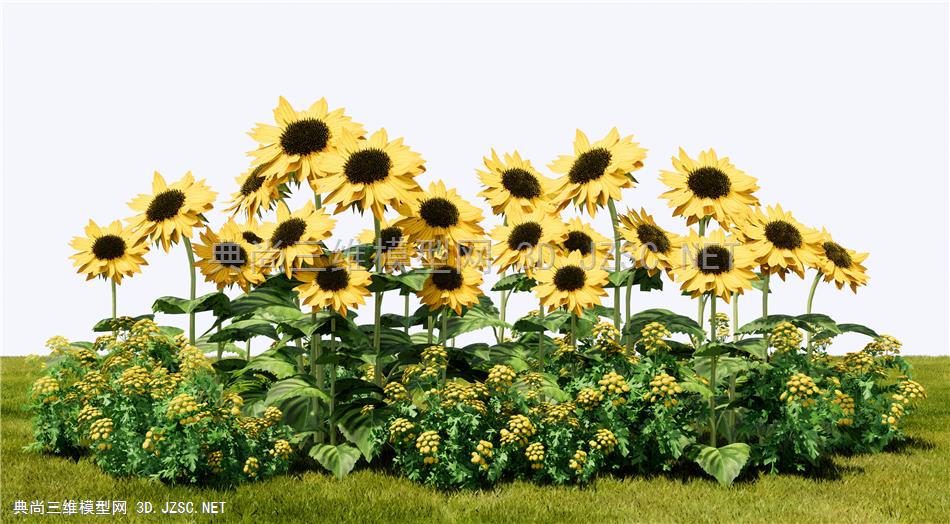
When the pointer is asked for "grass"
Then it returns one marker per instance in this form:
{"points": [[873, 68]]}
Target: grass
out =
{"points": [[910, 483]]}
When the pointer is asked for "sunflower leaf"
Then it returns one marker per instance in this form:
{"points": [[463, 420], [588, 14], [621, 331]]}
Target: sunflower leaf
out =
{"points": [[515, 282], [724, 463]]}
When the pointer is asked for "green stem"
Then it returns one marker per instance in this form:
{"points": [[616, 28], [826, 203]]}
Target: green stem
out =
{"points": [[811, 297], [573, 329], [702, 298], [501, 314], [617, 258], [220, 345], [406, 313], [378, 307], [333, 385], [247, 352], [430, 324], [712, 375], [627, 320], [765, 292], [444, 329], [735, 316], [115, 330], [541, 337], [191, 268]]}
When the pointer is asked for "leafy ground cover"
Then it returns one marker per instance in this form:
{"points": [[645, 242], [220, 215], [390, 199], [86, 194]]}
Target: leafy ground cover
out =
{"points": [[907, 483]]}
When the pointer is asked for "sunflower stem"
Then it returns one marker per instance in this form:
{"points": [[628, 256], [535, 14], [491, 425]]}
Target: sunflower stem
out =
{"points": [[501, 314], [627, 319], [430, 324], [191, 267], [573, 329], [378, 306], [712, 374], [765, 305], [617, 259], [735, 316], [333, 385], [444, 328], [115, 331], [406, 313], [702, 298], [541, 336], [247, 351], [811, 297]]}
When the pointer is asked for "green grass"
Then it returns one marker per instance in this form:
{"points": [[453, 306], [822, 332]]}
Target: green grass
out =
{"points": [[910, 483]]}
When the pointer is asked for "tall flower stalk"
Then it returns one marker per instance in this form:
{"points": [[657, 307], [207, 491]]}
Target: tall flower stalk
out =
{"points": [[191, 295], [617, 262]]}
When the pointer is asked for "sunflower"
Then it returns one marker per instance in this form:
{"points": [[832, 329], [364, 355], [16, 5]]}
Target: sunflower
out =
{"points": [[441, 215], [226, 258], [452, 287], [513, 186], [651, 246], [716, 263], [839, 263], [295, 238], [528, 241], [395, 250], [172, 210], [574, 282], [708, 186], [299, 140], [370, 174], [111, 252], [596, 172], [256, 193], [334, 281], [583, 238], [779, 242]]}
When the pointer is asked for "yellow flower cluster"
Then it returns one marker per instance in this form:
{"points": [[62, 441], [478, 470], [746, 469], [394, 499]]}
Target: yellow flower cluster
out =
{"points": [[802, 388], [577, 461], [162, 383], [282, 449], [483, 451], [46, 387], [614, 384], [91, 384], [215, 459], [272, 416], [428, 445], [101, 430], [401, 430], [910, 389], [395, 392], [466, 393], [88, 414], [884, 346], [589, 398], [231, 403], [135, 380], [560, 413], [721, 321], [252, 426], [151, 437], [532, 379], [564, 349], [369, 373], [786, 337], [518, 431], [651, 337], [893, 416], [183, 407], [500, 377], [145, 326], [116, 360], [435, 356], [604, 440], [57, 345], [535, 454], [85, 356], [663, 388], [192, 360], [606, 336], [418, 371], [103, 342], [846, 403], [251, 466], [857, 363]]}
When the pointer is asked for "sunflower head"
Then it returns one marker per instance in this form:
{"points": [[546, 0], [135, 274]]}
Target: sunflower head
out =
{"points": [[513, 187], [779, 242], [169, 213], [708, 186], [531, 240], [256, 193], [651, 246], [442, 216], [370, 174], [596, 172], [839, 264], [333, 281], [581, 237], [393, 248], [451, 286], [110, 252], [716, 263], [299, 140], [226, 257], [574, 282], [295, 238]]}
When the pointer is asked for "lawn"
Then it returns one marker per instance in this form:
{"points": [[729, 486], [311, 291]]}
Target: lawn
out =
{"points": [[909, 483]]}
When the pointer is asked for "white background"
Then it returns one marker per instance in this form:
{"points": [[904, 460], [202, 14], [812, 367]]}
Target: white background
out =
{"points": [[840, 111]]}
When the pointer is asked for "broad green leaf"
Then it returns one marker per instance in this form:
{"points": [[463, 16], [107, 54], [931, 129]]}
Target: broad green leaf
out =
{"points": [[764, 324], [812, 322], [299, 398], [274, 363], [479, 316], [217, 302], [550, 322], [713, 349], [724, 463], [815, 322], [243, 330], [358, 427], [696, 387], [279, 314], [756, 347], [674, 322], [106, 323], [618, 278], [515, 282], [855, 328], [339, 459], [276, 291]]}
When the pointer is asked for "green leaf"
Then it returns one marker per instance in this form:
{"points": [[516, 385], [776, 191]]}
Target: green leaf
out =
{"points": [[764, 324], [815, 322], [855, 328], [757, 347], [279, 314], [479, 316], [714, 349], [812, 322], [273, 362], [696, 387], [618, 278], [724, 463], [106, 323], [278, 290], [674, 322], [358, 427], [515, 282], [243, 330], [339, 459], [550, 322], [298, 398], [217, 302]]}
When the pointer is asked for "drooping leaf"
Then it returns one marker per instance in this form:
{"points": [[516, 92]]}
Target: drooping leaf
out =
{"points": [[724, 463], [479, 316], [278, 290], [299, 398], [756, 346], [406, 283], [515, 282], [273, 362], [549, 322], [674, 322], [358, 426], [243, 330], [217, 302], [854, 328], [339, 459]]}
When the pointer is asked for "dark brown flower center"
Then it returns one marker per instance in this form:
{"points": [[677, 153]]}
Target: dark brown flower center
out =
{"points": [[251, 238], [165, 205], [367, 166], [304, 137], [579, 241], [253, 182], [589, 166], [714, 260], [230, 254], [447, 278], [838, 255], [333, 278], [783, 235], [108, 247], [521, 184], [709, 182], [389, 238], [524, 236], [288, 233], [439, 212], [569, 278], [653, 238]]}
